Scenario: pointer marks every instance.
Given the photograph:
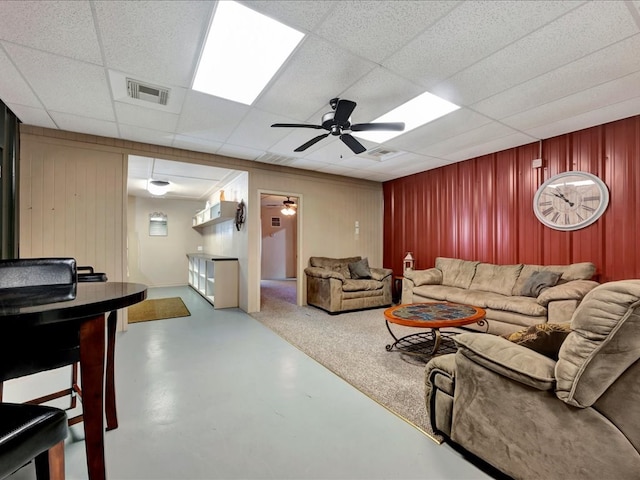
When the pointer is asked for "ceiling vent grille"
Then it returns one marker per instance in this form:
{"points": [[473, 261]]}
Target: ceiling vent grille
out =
{"points": [[275, 159], [147, 92], [383, 154]]}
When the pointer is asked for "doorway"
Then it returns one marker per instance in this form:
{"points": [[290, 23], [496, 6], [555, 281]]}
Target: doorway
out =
{"points": [[279, 247]]}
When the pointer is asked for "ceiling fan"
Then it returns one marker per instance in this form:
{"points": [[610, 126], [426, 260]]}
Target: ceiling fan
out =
{"points": [[337, 123]]}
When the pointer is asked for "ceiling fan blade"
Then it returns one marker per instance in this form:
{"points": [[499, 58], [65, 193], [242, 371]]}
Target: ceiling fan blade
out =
{"points": [[313, 141], [297, 125], [344, 109], [352, 143], [362, 127]]}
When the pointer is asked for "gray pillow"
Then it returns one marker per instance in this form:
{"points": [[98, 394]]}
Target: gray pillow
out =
{"points": [[360, 269], [538, 281]]}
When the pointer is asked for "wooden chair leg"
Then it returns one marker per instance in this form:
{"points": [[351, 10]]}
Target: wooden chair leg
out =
{"points": [[50, 464]]}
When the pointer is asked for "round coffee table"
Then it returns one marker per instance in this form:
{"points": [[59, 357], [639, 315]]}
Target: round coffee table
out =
{"points": [[432, 316]]}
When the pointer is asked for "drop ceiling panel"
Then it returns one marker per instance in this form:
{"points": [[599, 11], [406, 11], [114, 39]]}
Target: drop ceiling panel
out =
{"points": [[158, 39], [255, 130], [68, 86], [602, 66], [481, 135], [145, 117], [490, 146], [32, 116], [469, 33], [307, 164], [13, 88], [239, 151], [319, 73], [522, 61], [72, 34], [195, 144], [304, 16], [90, 126], [208, 117], [375, 30], [146, 135], [189, 170], [594, 98]]}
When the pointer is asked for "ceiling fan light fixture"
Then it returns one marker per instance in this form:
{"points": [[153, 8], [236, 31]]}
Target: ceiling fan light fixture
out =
{"points": [[243, 51], [288, 209], [418, 111], [158, 187]]}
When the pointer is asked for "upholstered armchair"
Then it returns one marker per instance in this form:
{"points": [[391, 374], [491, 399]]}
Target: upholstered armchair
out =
{"points": [[534, 416], [343, 284]]}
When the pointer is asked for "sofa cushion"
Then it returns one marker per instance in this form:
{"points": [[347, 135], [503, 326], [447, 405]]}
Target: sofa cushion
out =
{"points": [[360, 269], [351, 285], [456, 272], [495, 278], [574, 271], [544, 338], [539, 281], [603, 342]]}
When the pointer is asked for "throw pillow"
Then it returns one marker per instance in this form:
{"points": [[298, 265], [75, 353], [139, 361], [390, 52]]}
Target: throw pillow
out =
{"points": [[538, 281], [545, 338], [360, 269]]}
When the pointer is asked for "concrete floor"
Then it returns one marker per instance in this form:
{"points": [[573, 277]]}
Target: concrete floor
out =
{"points": [[219, 396]]}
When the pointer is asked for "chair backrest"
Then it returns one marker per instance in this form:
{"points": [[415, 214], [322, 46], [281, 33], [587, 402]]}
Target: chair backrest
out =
{"points": [[33, 272], [603, 343]]}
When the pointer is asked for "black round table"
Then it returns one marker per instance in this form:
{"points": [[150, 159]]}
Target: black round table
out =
{"points": [[84, 305]]}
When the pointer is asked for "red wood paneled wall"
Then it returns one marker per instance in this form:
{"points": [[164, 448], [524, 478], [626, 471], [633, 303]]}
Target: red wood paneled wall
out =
{"points": [[482, 209]]}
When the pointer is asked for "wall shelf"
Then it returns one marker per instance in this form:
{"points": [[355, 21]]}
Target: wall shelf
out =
{"points": [[220, 212], [215, 278]]}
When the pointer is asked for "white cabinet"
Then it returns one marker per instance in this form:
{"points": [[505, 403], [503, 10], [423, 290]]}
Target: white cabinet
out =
{"points": [[217, 213], [215, 278]]}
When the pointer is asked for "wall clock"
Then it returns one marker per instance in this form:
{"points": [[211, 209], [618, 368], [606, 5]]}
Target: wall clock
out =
{"points": [[571, 200]]}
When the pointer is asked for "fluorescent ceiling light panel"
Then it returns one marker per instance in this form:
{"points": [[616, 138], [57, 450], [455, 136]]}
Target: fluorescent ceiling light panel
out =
{"points": [[243, 51], [415, 113]]}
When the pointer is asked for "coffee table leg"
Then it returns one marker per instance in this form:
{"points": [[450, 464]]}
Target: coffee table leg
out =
{"points": [[437, 338], [390, 347]]}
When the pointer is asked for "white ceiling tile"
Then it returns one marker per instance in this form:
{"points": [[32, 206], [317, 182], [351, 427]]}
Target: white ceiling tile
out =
{"points": [[255, 130], [65, 79], [303, 15], [307, 164], [239, 151], [13, 88], [160, 40], [490, 146], [139, 166], [340, 170], [90, 126], [196, 144], [608, 113], [374, 29], [592, 99], [316, 73], [32, 116], [71, 34], [469, 33], [206, 116], [189, 170], [145, 117], [146, 135], [522, 61], [602, 66]]}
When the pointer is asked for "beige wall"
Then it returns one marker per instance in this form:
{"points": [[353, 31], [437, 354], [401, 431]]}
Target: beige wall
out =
{"points": [[160, 261], [329, 205]]}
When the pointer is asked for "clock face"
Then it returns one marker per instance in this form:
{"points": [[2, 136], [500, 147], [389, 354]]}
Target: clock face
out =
{"points": [[571, 200]]}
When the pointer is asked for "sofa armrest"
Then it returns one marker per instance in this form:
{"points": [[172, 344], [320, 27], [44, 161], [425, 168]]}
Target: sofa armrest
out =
{"points": [[573, 290], [320, 272], [518, 363], [380, 273], [431, 276]]}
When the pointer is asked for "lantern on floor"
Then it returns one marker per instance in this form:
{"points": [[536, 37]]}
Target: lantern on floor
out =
{"points": [[408, 262]]}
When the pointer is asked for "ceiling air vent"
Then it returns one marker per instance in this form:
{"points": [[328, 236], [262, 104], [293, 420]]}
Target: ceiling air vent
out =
{"points": [[147, 92], [382, 153], [276, 159]]}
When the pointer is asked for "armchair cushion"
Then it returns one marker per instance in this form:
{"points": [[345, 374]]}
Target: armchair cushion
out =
{"points": [[360, 269], [507, 359]]}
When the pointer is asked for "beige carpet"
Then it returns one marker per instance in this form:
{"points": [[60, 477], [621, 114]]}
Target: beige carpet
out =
{"points": [[157, 309], [352, 345]]}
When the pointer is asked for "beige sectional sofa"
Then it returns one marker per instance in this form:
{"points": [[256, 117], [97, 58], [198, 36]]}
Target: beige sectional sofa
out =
{"points": [[514, 296], [343, 284]]}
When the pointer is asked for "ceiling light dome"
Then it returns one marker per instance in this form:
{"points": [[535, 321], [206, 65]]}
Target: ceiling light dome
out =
{"points": [[158, 187]]}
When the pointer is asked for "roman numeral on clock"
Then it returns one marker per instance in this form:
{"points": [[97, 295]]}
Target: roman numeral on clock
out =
{"points": [[592, 198]]}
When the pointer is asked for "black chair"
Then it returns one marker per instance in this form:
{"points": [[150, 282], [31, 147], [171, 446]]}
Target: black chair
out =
{"points": [[53, 346], [32, 432]]}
